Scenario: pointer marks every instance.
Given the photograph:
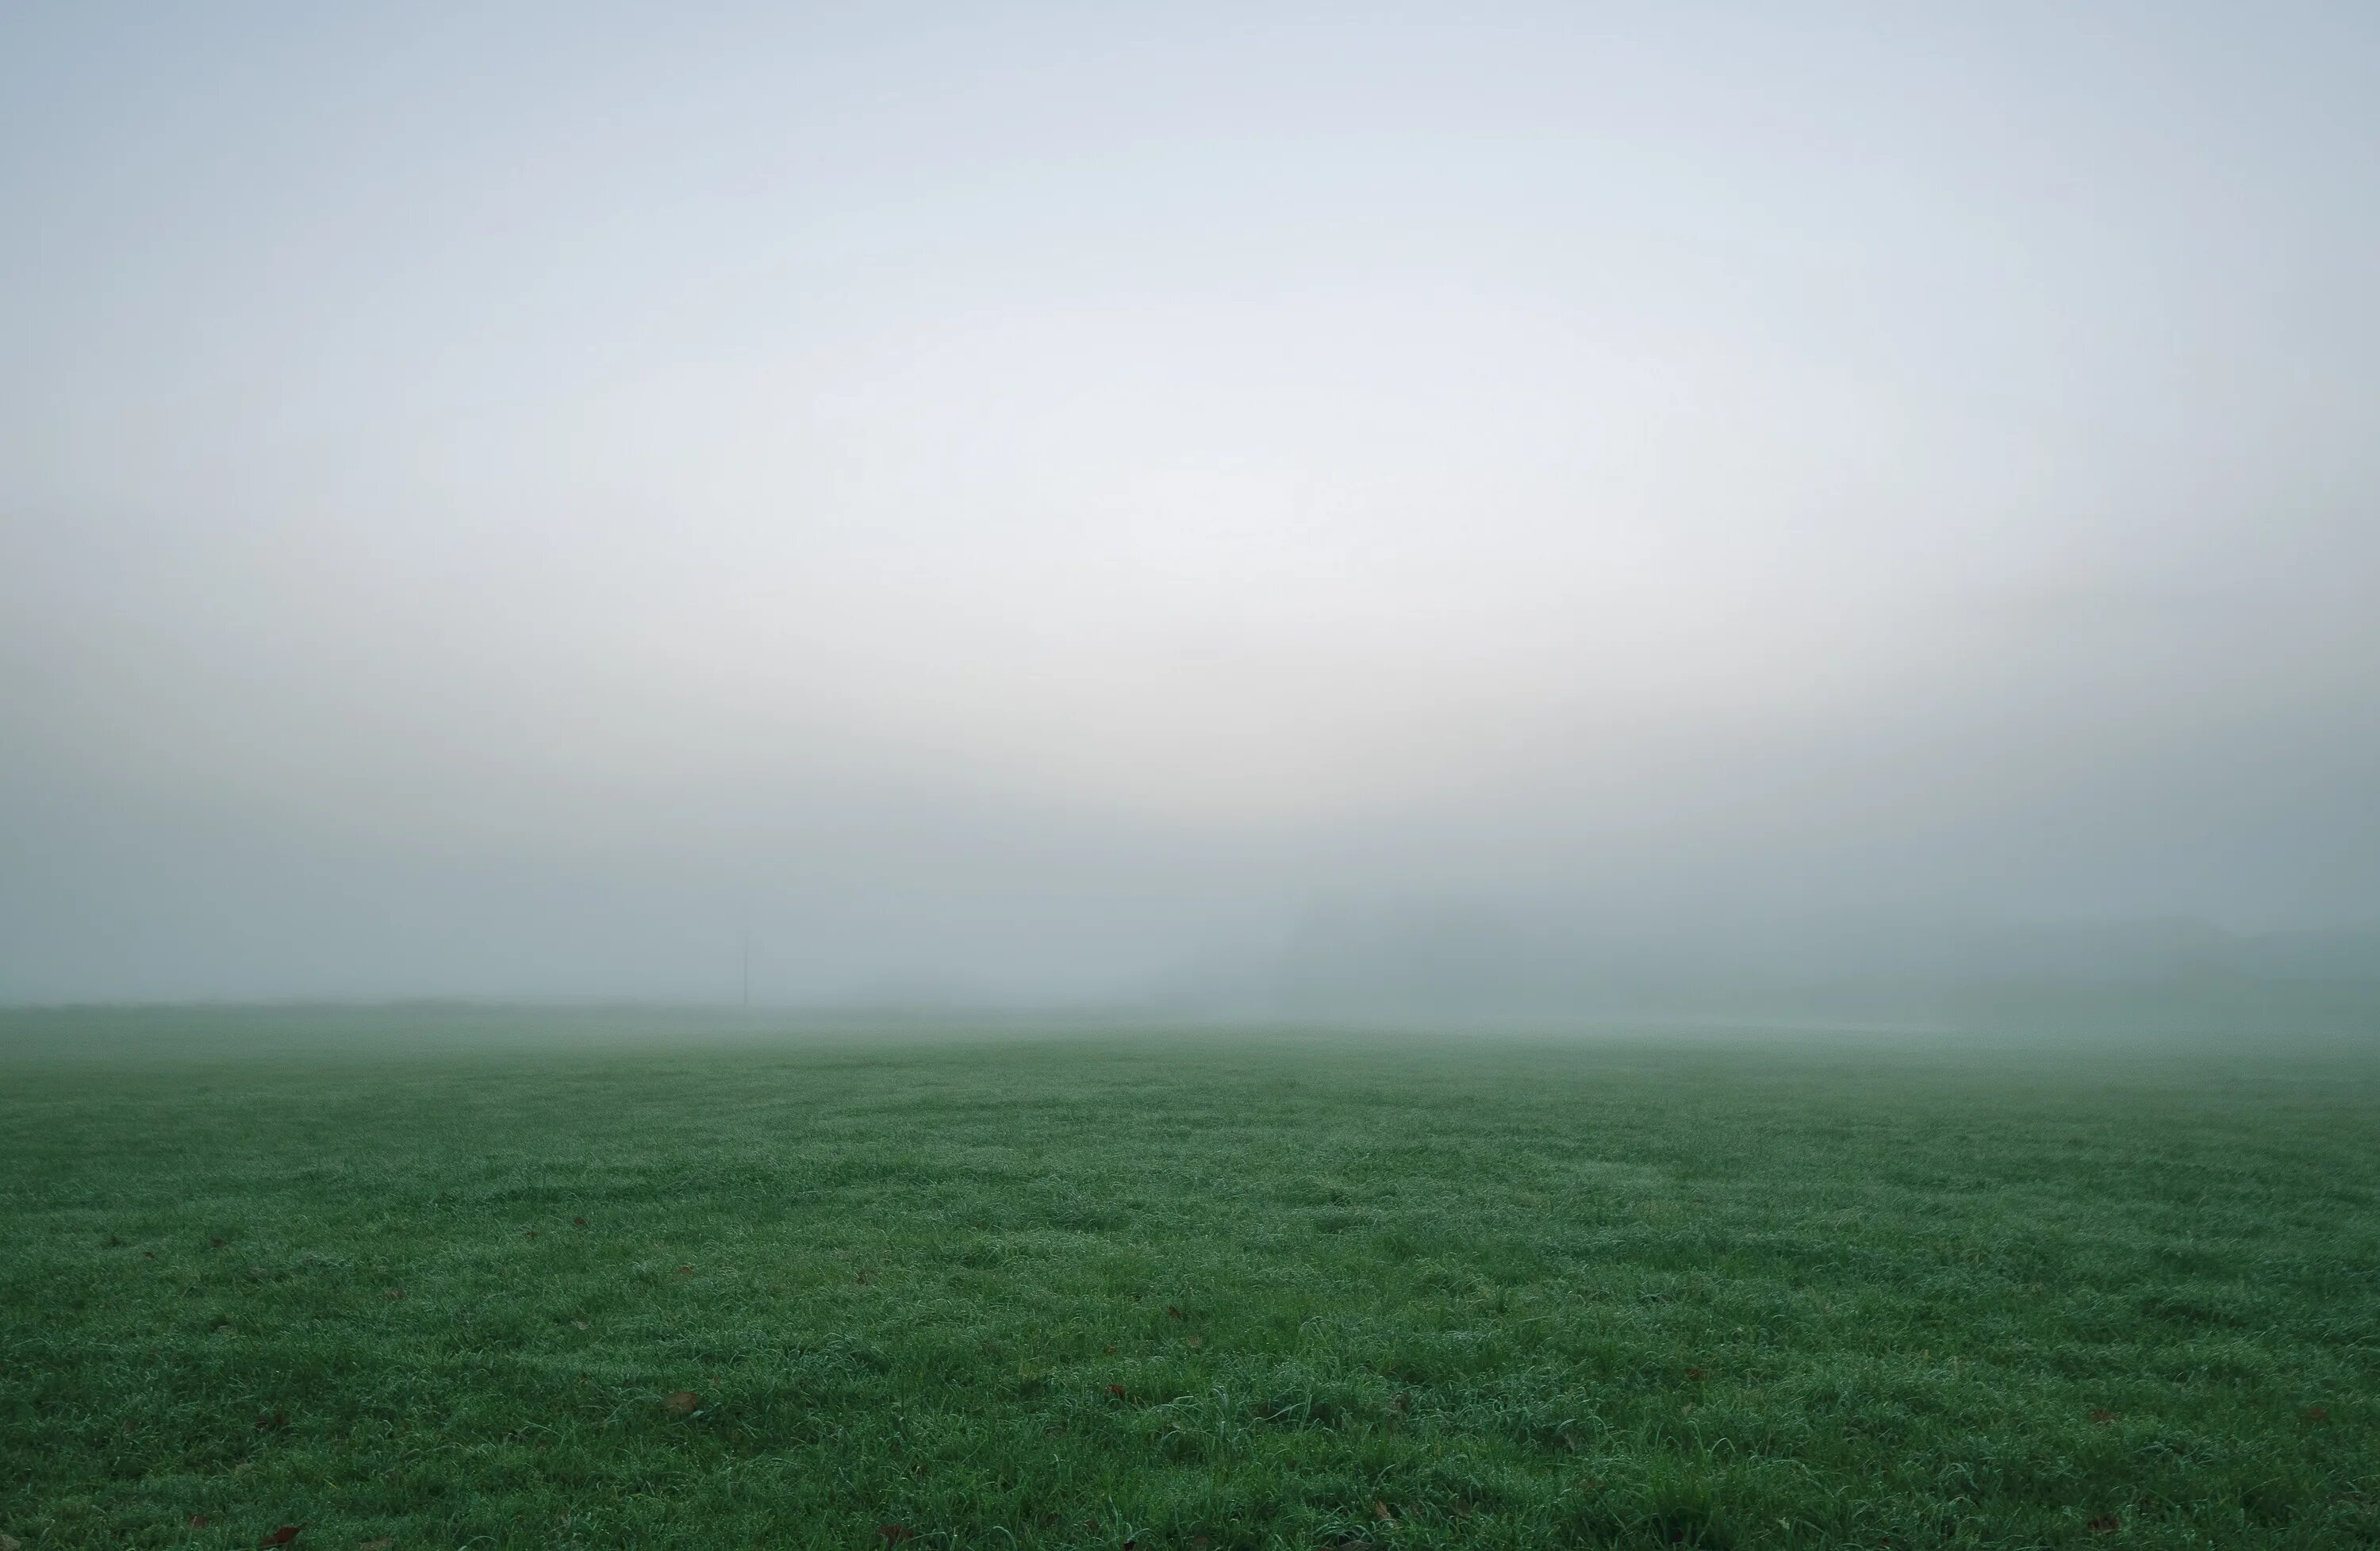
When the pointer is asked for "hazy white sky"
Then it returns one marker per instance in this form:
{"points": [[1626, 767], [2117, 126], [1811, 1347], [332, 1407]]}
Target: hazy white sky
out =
{"points": [[490, 496]]}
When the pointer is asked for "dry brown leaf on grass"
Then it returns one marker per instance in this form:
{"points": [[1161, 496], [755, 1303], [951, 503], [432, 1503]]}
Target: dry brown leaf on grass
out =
{"points": [[281, 1537], [2106, 1523], [685, 1403]]}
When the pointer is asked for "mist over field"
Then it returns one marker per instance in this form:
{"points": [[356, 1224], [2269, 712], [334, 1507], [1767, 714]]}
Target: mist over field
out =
{"points": [[1211, 777], [1333, 512]]}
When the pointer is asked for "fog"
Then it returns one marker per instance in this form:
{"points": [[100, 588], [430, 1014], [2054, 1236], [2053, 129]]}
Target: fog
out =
{"points": [[1322, 509]]}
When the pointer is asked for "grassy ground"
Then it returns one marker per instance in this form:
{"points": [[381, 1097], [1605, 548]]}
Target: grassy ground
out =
{"points": [[1185, 1292]]}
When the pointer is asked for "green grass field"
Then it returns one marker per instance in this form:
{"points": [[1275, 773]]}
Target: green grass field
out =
{"points": [[1173, 1291]]}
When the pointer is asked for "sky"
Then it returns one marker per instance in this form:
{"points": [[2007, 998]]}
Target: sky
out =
{"points": [[1029, 502]]}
